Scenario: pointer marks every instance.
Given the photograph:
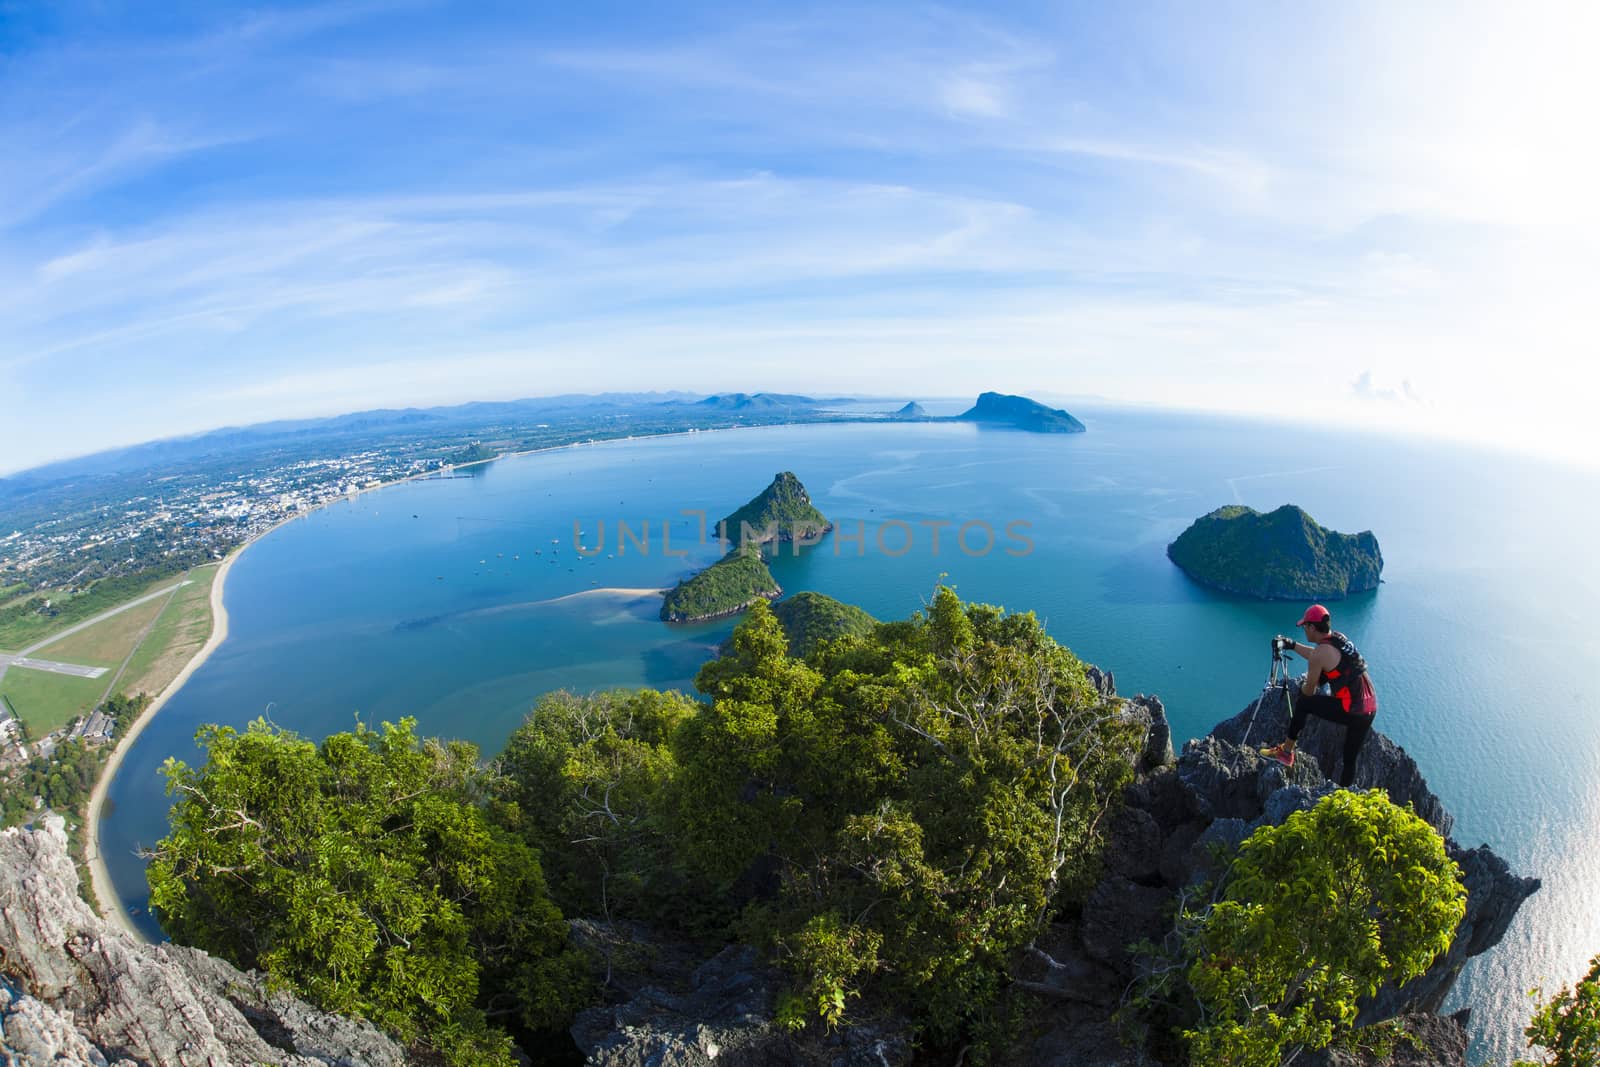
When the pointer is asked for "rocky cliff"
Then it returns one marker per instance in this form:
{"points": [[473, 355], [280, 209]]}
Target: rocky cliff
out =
{"points": [[75, 990]]}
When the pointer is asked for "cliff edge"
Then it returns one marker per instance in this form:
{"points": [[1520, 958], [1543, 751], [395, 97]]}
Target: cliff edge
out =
{"points": [[75, 990]]}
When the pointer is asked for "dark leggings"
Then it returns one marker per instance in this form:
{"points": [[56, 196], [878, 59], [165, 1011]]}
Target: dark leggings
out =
{"points": [[1356, 727]]}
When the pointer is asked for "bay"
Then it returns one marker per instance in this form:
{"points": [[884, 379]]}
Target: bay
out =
{"points": [[451, 600]]}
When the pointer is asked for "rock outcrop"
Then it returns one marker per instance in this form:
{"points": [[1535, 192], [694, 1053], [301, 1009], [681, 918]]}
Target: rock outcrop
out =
{"points": [[74, 990], [1183, 817], [665, 1008]]}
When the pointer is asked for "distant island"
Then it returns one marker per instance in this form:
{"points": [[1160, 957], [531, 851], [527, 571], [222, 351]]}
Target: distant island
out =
{"points": [[781, 512], [1282, 555], [1020, 413], [911, 410]]}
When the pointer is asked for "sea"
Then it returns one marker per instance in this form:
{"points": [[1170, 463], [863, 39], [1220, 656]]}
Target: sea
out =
{"points": [[460, 599]]}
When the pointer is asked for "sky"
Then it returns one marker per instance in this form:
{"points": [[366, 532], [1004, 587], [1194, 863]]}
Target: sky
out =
{"points": [[1364, 214]]}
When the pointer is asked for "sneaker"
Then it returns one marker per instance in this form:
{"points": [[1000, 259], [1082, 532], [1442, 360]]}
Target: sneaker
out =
{"points": [[1282, 753]]}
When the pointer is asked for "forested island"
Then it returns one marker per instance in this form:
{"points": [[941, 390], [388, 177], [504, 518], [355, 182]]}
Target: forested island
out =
{"points": [[727, 587], [781, 512], [1281, 555]]}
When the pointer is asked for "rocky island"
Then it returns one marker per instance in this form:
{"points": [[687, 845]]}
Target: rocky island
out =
{"points": [[1019, 413], [781, 512], [1281, 555]]}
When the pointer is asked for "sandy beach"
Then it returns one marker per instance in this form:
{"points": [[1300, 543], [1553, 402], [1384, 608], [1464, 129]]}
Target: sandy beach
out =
{"points": [[112, 907], [607, 592]]}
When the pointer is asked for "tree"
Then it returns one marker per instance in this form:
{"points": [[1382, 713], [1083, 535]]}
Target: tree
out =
{"points": [[1567, 1026], [916, 800], [366, 874], [1311, 916], [585, 779]]}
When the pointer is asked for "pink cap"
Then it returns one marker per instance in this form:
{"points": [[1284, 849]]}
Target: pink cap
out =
{"points": [[1315, 613]]}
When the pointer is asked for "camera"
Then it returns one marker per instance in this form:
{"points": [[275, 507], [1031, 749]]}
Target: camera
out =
{"points": [[1282, 644]]}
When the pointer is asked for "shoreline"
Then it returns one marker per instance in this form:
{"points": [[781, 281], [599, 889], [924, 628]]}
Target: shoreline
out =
{"points": [[108, 901], [111, 905]]}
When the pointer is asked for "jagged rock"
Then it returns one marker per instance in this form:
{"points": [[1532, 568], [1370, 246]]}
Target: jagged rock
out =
{"points": [[722, 1011], [1434, 1041], [1133, 847], [1158, 734], [1104, 682], [1382, 763], [139, 1003], [1119, 913], [33, 1033]]}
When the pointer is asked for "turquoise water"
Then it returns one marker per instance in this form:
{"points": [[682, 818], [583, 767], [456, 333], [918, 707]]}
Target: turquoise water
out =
{"points": [[428, 599]]}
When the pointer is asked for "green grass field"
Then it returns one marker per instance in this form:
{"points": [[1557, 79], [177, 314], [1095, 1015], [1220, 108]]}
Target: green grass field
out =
{"points": [[46, 701], [20, 633], [177, 635], [106, 644], [177, 627]]}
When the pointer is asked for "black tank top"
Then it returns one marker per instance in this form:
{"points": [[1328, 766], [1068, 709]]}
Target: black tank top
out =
{"points": [[1348, 680]]}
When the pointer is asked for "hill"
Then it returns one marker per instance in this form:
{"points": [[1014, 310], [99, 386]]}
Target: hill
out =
{"points": [[1282, 555], [810, 620], [727, 587], [781, 512], [1018, 412], [912, 410]]}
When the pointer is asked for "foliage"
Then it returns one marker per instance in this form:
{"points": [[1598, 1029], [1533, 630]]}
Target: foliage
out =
{"points": [[811, 619], [727, 586], [1283, 553], [781, 512], [366, 874], [1311, 916], [586, 778], [827, 955], [1567, 1026], [929, 789]]}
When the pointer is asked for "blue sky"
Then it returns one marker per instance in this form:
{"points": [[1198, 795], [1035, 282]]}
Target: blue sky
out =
{"points": [[1357, 213]]}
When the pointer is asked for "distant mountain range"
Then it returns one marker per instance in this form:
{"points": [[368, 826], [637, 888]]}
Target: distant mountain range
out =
{"points": [[992, 408]]}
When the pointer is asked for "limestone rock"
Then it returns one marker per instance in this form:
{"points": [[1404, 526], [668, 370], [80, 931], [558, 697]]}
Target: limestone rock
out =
{"points": [[98, 996]]}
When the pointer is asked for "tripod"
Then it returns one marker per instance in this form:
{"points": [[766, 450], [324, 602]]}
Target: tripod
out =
{"points": [[1277, 674]]}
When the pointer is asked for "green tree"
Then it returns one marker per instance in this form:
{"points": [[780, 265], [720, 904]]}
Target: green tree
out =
{"points": [[585, 779], [922, 797], [1313, 915], [1567, 1026], [366, 874]]}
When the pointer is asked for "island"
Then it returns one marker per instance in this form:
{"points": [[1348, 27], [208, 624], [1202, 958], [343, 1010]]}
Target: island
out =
{"points": [[1019, 413], [1281, 555], [781, 512], [727, 587], [911, 410]]}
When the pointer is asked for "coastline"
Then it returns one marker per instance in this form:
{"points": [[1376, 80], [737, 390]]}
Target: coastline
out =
{"points": [[110, 903]]}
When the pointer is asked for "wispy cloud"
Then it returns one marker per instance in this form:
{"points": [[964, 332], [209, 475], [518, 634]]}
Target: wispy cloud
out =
{"points": [[291, 205]]}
